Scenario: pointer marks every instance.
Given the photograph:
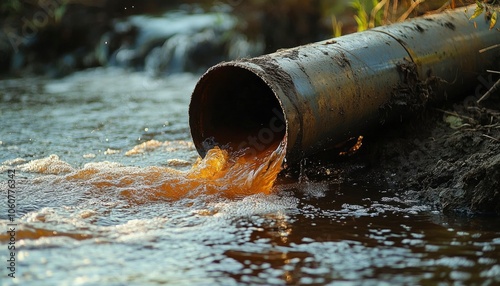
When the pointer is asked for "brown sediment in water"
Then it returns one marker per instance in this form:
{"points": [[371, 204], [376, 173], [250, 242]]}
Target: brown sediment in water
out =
{"points": [[229, 174]]}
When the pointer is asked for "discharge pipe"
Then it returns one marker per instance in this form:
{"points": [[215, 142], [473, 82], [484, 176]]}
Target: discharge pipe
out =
{"points": [[319, 95]]}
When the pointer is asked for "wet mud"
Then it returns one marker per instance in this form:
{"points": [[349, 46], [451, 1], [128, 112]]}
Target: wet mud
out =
{"points": [[446, 156]]}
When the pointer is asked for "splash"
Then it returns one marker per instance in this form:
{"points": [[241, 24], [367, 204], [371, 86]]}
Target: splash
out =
{"points": [[229, 174]]}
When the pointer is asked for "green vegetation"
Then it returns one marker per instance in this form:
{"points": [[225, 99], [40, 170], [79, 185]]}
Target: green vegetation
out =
{"points": [[371, 13], [363, 7], [491, 9]]}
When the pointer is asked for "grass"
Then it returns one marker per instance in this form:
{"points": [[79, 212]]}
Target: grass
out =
{"points": [[372, 13]]}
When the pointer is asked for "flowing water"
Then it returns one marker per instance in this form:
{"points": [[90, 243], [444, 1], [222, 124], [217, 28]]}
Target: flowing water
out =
{"points": [[109, 191]]}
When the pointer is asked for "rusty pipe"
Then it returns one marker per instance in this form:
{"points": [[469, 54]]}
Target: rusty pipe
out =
{"points": [[318, 95]]}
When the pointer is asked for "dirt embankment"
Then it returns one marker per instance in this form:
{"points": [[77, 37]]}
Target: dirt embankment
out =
{"points": [[446, 156]]}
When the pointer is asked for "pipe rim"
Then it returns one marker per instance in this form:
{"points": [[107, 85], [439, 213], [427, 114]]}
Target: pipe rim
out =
{"points": [[265, 125]]}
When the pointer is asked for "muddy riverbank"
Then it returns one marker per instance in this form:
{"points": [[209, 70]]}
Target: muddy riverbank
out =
{"points": [[447, 156]]}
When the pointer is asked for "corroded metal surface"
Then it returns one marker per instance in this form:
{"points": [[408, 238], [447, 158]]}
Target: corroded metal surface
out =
{"points": [[318, 95]]}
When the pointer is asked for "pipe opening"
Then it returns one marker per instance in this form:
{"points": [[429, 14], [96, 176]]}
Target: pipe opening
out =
{"points": [[233, 107]]}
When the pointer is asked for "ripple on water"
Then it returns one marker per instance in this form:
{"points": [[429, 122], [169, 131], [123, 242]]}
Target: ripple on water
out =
{"points": [[194, 232], [257, 239]]}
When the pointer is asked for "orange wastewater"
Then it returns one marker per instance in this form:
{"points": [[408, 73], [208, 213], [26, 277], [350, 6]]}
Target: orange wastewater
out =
{"points": [[231, 174]]}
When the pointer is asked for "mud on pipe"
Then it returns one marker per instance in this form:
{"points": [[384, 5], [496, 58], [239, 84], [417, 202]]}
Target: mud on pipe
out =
{"points": [[318, 95]]}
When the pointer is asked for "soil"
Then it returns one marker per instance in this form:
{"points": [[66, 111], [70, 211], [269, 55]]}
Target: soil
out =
{"points": [[447, 157]]}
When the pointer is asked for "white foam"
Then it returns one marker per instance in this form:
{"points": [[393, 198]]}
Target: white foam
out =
{"points": [[48, 165]]}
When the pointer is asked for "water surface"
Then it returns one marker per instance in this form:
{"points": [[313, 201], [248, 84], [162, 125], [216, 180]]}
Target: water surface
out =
{"points": [[70, 232]]}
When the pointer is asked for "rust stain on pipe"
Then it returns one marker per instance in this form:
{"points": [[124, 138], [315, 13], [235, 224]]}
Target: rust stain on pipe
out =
{"points": [[318, 95]]}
